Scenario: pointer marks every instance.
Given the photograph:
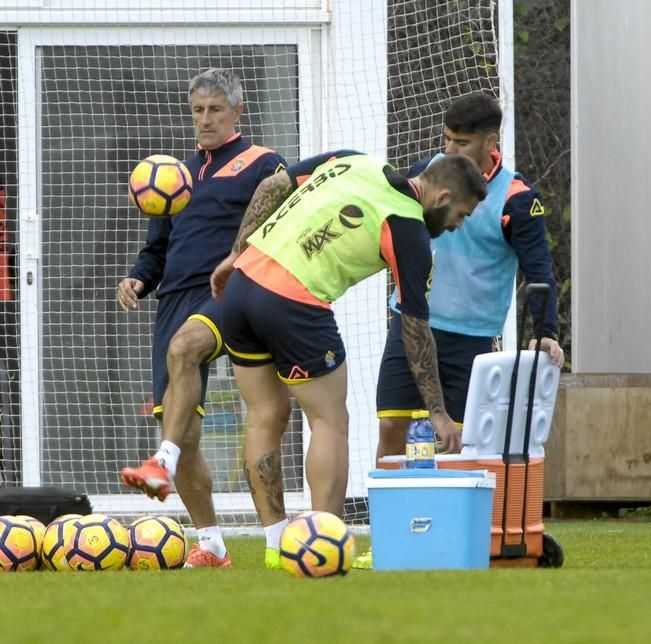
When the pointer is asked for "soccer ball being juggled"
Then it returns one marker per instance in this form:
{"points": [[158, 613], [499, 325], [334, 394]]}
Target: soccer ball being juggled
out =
{"points": [[160, 186], [316, 544], [96, 542], [18, 545], [156, 543]]}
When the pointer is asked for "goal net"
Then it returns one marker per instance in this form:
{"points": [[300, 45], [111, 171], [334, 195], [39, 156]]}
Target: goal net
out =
{"points": [[89, 91]]}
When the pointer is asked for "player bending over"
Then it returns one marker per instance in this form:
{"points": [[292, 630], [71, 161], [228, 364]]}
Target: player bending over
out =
{"points": [[309, 234]]}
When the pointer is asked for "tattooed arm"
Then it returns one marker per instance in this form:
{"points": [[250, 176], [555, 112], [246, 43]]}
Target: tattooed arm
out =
{"points": [[267, 198], [406, 248], [420, 349]]}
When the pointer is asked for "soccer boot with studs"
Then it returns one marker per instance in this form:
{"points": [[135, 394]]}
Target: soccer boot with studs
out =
{"points": [[205, 559], [150, 477]]}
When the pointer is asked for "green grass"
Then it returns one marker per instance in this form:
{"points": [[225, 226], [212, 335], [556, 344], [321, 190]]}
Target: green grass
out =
{"points": [[601, 594]]}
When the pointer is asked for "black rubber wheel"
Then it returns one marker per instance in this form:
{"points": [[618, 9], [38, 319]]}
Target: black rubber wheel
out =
{"points": [[552, 556]]}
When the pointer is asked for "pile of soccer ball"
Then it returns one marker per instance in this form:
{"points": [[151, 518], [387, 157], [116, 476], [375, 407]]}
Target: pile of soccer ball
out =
{"points": [[314, 544], [90, 542]]}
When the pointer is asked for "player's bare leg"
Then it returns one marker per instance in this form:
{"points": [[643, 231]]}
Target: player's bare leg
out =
{"points": [[392, 437], [324, 402], [268, 410], [190, 347], [193, 478], [194, 484], [267, 403], [192, 344]]}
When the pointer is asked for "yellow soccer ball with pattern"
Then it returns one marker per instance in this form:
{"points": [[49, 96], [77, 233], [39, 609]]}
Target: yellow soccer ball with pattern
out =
{"points": [[18, 547], [52, 550], [39, 533], [96, 542], [160, 186], [156, 543], [316, 544]]}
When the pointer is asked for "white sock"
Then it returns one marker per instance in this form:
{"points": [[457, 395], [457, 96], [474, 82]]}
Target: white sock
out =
{"points": [[273, 533], [211, 539], [168, 456]]}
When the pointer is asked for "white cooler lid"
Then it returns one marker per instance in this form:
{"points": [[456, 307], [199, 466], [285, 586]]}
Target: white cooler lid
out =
{"points": [[430, 478]]}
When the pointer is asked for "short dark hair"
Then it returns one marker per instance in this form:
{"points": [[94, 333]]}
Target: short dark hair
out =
{"points": [[471, 113], [459, 174], [218, 81]]}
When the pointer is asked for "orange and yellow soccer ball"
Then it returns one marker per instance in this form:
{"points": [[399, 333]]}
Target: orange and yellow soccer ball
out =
{"points": [[39, 534], [316, 544], [18, 546], [160, 186], [156, 543], [53, 549], [96, 542]]}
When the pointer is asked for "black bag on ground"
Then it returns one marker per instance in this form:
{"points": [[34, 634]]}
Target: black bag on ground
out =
{"points": [[42, 503]]}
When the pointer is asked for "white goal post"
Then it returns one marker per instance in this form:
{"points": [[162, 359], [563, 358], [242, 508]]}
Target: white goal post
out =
{"points": [[93, 88]]}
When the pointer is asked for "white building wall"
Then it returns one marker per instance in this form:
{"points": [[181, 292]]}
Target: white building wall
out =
{"points": [[611, 186]]}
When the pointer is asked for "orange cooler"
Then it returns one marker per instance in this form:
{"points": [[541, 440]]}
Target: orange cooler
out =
{"points": [[508, 548]]}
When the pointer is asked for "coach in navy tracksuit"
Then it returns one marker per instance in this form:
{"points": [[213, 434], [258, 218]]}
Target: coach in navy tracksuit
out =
{"points": [[179, 255]]}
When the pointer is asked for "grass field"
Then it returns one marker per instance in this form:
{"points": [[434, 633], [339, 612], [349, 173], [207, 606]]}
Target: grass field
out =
{"points": [[601, 594]]}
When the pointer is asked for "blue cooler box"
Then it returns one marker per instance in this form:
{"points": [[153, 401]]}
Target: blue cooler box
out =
{"points": [[424, 519]]}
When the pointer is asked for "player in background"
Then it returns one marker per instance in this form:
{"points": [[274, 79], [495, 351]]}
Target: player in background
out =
{"points": [[178, 258], [309, 234], [474, 273]]}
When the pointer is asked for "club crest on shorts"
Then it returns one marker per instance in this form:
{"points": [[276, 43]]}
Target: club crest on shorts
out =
{"points": [[330, 359], [297, 373]]}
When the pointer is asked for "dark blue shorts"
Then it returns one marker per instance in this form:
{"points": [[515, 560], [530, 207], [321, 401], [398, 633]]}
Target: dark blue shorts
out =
{"points": [[261, 327], [397, 393], [173, 310]]}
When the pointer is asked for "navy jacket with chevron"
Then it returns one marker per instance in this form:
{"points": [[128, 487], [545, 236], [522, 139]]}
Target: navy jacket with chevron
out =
{"points": [[181, 251]]}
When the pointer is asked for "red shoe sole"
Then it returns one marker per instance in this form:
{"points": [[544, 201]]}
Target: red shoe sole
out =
{"points": [[133, 480]]}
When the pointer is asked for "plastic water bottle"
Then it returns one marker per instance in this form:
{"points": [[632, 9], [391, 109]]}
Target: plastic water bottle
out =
{"points": [[420, 444]]}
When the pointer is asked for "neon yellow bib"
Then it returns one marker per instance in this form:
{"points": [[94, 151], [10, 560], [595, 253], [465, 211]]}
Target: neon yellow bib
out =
{"points": [[328, 231]]}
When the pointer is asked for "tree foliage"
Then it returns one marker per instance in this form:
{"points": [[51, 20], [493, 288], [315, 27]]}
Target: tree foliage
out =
{"points": [[542, 128]]}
